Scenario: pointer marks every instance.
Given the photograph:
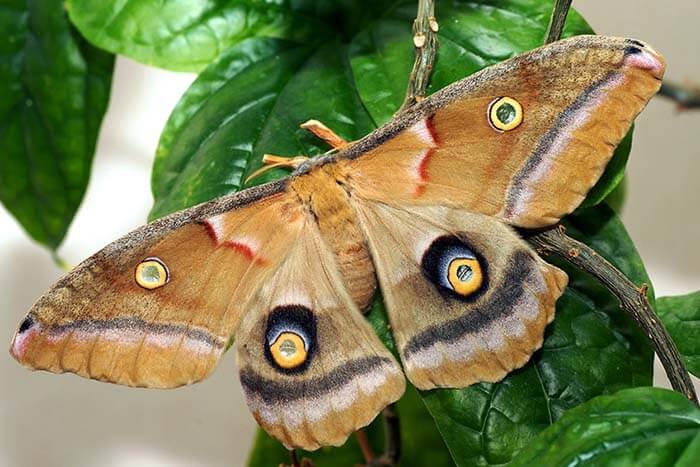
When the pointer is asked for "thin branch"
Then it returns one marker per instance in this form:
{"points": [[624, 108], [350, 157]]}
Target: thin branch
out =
{"points": [[557, 20], [392, 439], [633, 300], [365, 446], [687, 97], [425, 28]]}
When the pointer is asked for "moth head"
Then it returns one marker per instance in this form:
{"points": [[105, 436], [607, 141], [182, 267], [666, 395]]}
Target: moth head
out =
{"points": [[152, 273], [505, 113], [290, 338], [454, 266]]}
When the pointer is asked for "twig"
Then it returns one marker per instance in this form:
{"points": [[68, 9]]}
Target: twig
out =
{"points": [[293, 458], [557, 20], [633, 300], [425, 28], [392, 439], [687, 97], [365, 446]]}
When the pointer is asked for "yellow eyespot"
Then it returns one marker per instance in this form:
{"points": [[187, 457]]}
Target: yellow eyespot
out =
{"points": [[505, 113], [152, 273], [465, 276], [288, 350]]}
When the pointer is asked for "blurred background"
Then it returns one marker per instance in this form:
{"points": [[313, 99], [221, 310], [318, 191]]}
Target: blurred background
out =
{"points": [[53, 420]]}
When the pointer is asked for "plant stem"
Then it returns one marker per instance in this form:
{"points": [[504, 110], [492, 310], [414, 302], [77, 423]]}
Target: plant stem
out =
{"points": [[687, 97], [425, 28], [392, 440], [557, 20], [365, 446], [632, 299]]}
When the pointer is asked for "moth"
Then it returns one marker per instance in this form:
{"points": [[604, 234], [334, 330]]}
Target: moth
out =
{"points": [[425, 205]]}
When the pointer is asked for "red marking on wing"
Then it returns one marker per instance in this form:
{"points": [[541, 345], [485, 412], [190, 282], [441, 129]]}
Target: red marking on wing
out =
{"points": [[212, 231], [423, 175], [430, 125], [246, 251]]}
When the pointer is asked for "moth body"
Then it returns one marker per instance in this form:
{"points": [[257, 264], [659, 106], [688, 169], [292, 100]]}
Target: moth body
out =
{"points": [[327, 200]]}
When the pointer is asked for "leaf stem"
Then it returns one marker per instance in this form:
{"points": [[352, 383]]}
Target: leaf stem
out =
{"points": [[425, 42], [392, 439], [687, 97], [557, 20], [632, 299]]}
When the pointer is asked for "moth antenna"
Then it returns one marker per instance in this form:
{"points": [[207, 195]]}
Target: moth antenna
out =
{"points": [[271, 161], [323, 132]]}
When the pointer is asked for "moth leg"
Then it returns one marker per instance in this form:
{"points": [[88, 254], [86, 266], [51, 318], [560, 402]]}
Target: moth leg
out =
{"points": [[323, 132], [270, 161]]}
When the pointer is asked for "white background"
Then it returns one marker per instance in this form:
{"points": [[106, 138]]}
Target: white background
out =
{"points": [[54, 420]]}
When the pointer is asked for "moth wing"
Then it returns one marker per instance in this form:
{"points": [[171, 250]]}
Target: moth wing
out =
{"points": [[467, 299], [312, 369], [578, 98], [98, 322]]}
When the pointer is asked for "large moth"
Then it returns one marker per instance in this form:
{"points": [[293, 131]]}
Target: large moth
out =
{"points": [[426, 206]]}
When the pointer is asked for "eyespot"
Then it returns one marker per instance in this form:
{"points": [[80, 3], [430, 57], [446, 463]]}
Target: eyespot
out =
{"points": [[505, 113], [454, 267], [289, 350], [290, 338], [464, 275], [152, 273]]}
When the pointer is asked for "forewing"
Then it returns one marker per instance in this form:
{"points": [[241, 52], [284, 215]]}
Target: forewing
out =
{"points": [[578, 99], [100, 323]]}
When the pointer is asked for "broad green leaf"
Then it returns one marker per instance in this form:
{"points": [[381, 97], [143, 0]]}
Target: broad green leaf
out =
{"points": [[186, 35], [681, 316], [54, 95], [634, 427], [421, 444], [591, 348]]}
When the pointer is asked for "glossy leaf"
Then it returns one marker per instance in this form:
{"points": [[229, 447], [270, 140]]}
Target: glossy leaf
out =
{"points": [[641, 426], [681, 316], [185, 35], [54, 95], [421, 442], [591, 348]]}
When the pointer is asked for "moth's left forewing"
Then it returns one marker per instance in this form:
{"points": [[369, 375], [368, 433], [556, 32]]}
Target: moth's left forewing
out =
{"points": [[312, 368], [568, 105], [100, 323]]}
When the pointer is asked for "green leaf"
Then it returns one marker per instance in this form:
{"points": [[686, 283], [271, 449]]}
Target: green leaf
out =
{"points": [[421, 442], [187, 35], [184, 35], [681, 316], [54, 96], [591, 348], [641, 426]]}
